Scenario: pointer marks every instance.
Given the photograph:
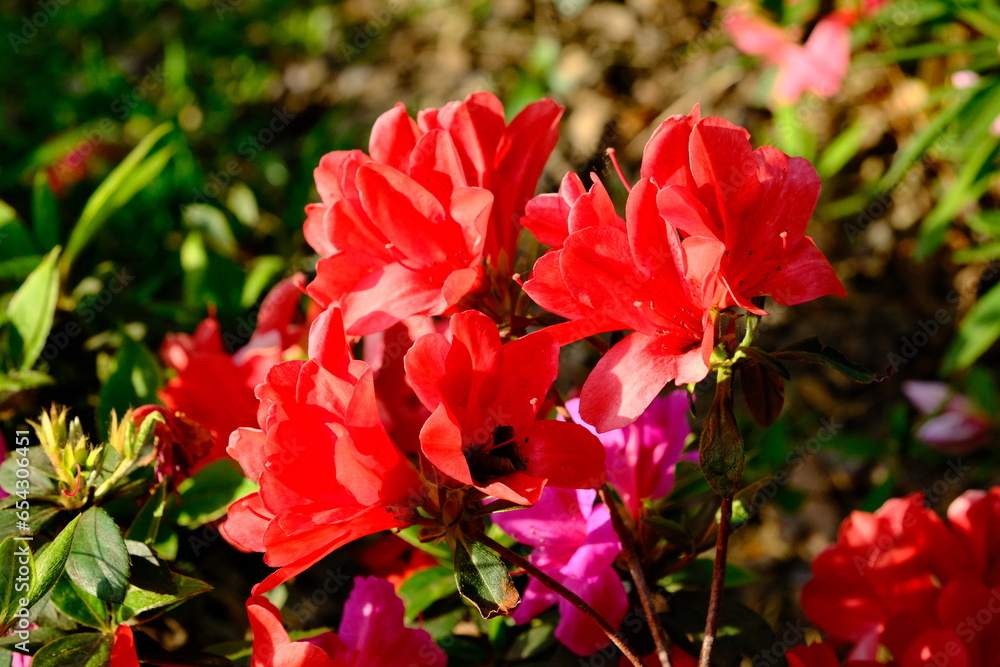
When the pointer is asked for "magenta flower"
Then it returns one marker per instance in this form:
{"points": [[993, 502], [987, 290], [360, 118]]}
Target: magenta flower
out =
{"points": [[642, 456], [955, 423], [372, 634], [576, 545]]}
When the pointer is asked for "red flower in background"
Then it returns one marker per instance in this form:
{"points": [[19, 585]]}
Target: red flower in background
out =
{"points": [[485, 399], [756, 202], [327, 470], [405, 230], [608, 274], [903, 579], [215, 387], [181, 443]]}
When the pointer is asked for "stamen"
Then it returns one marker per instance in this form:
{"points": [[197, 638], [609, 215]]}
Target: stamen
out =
{"points": [[618, 169]]}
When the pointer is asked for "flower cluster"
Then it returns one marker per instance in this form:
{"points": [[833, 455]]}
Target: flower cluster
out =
{"points": [[905, 581], [440, 415]]}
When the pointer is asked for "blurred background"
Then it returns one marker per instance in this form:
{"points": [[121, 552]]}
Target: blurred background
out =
{"points": [[221, 109]]}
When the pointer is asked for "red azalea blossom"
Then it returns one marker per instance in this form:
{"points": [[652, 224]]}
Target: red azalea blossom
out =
{"points": [[402, 412], [327, 470], [123, 649], [757, 202], [181, 443], [215, 387], [405, 231], [926, 590], [484, 399], [608, 274], [822, 655]]}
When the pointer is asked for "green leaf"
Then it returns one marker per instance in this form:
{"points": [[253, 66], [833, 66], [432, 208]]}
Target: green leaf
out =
{"points": [[207, 495], [44, 212], [31, 312], [674, 532], [762, 357], [134, 382], [977, 332], [134, 173], [140, 601], [51, 561], [146, 524], [79, 605], [698, 575], [17, 573], [98, 560], [38, 516], [812, 351], [483, 579], [424, 588], [843, 148], [212, 223], [720, 449], [262, 274], [86, 649]]}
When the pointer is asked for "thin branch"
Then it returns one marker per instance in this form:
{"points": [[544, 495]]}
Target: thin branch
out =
{"points": [[528, 567], [638, 576], [718, 581]]}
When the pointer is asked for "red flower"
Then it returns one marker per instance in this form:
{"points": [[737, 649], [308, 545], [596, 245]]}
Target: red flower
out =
{"points": [[405, 231], [402, 412], [215, 387], [903, 579], [757, 202], [484, 399], [123, 648], [327, 470], [611, 274], [181, 443], [272, 647]]}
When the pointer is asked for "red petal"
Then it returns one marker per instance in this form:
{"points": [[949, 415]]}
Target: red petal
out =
{"points": [[631, 374], [805, 275], [394, 136], [441, 442], [567, 455], [665, 157]]}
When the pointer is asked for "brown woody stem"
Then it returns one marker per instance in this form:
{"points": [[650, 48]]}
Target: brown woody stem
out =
{"points": [[528, 567], [718, 581], [638, 576]]}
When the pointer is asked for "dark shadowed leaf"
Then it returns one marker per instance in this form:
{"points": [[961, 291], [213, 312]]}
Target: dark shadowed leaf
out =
{"points": [[483, 578], [98, 561]]}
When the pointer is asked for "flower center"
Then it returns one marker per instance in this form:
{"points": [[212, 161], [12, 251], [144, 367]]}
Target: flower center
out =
{"points": [[496, 458]]}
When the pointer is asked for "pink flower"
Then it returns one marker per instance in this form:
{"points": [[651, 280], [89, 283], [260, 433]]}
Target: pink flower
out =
{"points": [[955, 424], [371, 634], [818, 66], [641, 456], [576, 545]]}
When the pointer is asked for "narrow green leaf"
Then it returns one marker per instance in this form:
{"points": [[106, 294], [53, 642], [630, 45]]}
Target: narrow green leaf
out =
{"points": [[812, 351], [32, 310], [698, 575], [720, 450], [146, 524], [136, 379], [86, 649], [51, 561], [16, 575], [843, 148], [44, 212], [977, 333], [98, 560], [212, 223], [133, 174], [483, 579]]}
